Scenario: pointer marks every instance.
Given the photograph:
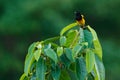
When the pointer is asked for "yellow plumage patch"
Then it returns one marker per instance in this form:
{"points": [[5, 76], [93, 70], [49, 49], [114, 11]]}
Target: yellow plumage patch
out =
{"points": [[81, 22]]}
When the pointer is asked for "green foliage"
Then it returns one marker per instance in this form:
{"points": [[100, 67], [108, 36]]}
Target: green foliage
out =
{"points": [[90, 60], [40, 69], [69, 54], [25, 21], [37, 54], [51, 54], [97, 46], [67, 28], [78, 56], [72, 38], [29, 58], [56, 73], [99, 69], [62, 40], [81, 70], [59, 51]]}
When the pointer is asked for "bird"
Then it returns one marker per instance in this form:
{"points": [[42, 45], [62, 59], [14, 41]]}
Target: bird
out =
{"points": [[80, 19]]}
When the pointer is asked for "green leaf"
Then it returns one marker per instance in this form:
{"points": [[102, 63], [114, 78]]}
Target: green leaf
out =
{"points": [[40, 69], [39, 45], [50, 40], [76, 50], [49, 77], [93, 33], [90, 77], [29, 58], [99, 69], [33, 66], [98, 49], [47, 46], [64, 75], [72, 74], [68, 28], [72, 38], [59, 51], [81, 68], [73, 66], [88, 38], [33, 77], [90, 60], [32, 48], [54, 45], [62, 40], [65, 60], [81, 36], [28, 62], [56, 72], [37, 54], [96, 43], [51, 54], [23, 76], [69, 54]]}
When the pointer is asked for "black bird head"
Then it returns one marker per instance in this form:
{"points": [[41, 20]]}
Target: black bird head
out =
{"points": [[78, 16]]}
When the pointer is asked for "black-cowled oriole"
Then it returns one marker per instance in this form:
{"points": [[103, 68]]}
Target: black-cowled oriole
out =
{"points": [[80, 19]]}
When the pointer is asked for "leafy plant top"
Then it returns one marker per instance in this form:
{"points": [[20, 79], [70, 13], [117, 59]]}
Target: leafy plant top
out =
{"points": [[74, 55]]}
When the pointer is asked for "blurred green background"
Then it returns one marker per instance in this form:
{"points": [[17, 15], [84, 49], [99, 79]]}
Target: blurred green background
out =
{"points": [[25, 21]]}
